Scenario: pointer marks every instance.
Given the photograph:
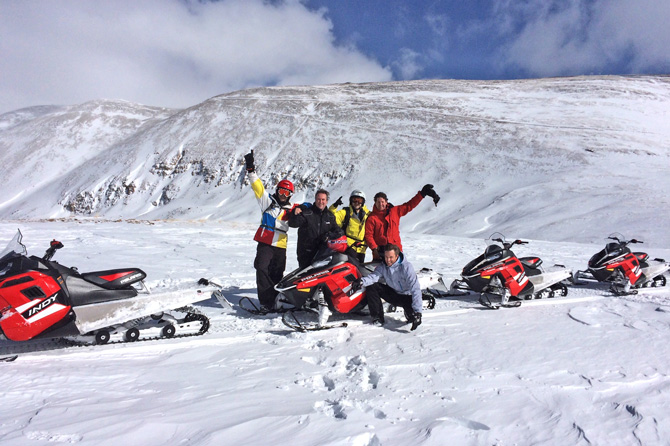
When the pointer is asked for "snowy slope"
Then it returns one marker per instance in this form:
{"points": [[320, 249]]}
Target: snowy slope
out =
{"points": [[566, 159], [586, 369]]}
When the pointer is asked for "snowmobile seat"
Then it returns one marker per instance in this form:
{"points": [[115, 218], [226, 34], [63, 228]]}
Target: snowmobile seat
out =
{"points": [[531, 265], [114, 279], [83, 292]]}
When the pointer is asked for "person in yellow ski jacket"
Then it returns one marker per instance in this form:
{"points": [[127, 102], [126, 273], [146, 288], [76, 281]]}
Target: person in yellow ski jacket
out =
{"points": [[272, 235], [352, 220]]}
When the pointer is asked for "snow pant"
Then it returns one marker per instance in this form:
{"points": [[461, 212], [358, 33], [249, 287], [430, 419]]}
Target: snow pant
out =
{"points": [[378, 291], [360, 256], [270, 263]]}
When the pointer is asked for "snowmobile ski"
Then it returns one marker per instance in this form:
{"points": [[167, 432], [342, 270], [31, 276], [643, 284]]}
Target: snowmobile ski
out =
{"points": [[486, 301], [252, 308], [9, 358], [290, 320], [217, 294]]}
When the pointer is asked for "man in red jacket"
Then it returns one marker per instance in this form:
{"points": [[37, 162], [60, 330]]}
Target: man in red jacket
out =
{"points": [[382, 226]]}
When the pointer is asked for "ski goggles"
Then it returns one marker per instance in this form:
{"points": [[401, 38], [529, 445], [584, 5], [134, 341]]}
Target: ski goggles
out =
{"points": [[284, 192]]}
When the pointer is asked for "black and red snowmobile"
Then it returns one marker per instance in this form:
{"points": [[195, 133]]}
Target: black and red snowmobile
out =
{"points": [[324, 287], [40, 298], [503, 279], [626, 271]]}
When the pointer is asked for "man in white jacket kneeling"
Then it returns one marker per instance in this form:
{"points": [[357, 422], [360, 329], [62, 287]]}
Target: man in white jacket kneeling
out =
{"points": [[401, 289]]}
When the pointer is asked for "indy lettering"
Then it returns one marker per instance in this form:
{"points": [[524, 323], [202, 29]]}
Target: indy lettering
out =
{"points": [[41, 306]]}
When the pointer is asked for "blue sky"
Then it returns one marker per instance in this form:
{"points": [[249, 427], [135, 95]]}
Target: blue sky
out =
{"points": [[485, 39], [177, 53]]}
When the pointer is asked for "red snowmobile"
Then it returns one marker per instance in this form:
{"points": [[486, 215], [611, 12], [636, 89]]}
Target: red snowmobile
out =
{"points": [[40, 298], [324, 287], [626, 271], [500, 275]]}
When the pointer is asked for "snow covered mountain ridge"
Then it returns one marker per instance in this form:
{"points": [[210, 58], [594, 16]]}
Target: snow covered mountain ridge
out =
{"points": [[556, 159]]}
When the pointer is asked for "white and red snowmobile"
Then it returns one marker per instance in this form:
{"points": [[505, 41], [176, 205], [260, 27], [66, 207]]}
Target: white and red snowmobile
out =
{"points": [[40, 298], [626, 271], [505, 280], [324, 287]]}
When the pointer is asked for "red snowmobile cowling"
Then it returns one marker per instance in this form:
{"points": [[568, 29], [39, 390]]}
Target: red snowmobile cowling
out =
{"points": [[332, 273], [335, 280], [32, 303], [40, 297]]}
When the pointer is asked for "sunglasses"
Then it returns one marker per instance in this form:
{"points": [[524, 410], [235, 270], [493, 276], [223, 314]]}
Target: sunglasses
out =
{"points": [[284, 192]]}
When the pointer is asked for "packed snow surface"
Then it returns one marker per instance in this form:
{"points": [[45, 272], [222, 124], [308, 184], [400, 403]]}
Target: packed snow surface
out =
{"points": [[561, 163], [585, 369]]}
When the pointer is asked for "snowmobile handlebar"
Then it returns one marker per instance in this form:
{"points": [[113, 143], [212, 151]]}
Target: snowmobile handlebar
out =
{"points": [[508, 245], [624, 242], [54, 246]]}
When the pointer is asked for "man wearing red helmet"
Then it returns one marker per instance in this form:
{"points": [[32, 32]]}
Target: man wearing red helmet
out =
{"points": [[272, 235]]}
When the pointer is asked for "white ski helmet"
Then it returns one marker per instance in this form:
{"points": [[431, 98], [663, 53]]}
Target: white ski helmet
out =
{"points": [[357, 193]]}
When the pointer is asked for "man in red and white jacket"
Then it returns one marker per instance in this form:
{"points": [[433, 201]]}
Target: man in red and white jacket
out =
{"points": [[272, 235], [383, 224]]}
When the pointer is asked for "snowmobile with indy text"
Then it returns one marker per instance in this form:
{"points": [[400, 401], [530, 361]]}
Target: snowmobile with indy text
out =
{"points": [[42, 299], [626, 271], [505, 280]]}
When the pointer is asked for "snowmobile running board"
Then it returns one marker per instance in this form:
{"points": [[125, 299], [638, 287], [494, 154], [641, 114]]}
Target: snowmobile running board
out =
{"points": [[163, 326]]}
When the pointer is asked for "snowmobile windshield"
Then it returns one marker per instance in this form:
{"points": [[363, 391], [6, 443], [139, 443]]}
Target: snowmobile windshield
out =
{"points": [[326, 256], [493, 253], [613, 249], [14, 247], [13, 250], [496, 239], [495, 243]]}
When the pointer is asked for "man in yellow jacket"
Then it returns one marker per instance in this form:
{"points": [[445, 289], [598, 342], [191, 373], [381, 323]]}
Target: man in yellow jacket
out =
{"points": [[352, 220]]}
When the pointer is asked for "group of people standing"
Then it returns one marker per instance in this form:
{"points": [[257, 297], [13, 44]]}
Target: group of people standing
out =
{"points": [[316, 222]]}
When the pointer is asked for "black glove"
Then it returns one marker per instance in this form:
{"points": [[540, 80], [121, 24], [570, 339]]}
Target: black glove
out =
{"points": [[249, 160], [338, 202], [428, 191], [375, 254], [425, 190], [356, 285], [416, 322]]}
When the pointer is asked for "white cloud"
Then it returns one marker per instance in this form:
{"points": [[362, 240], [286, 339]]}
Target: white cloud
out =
{"points": [[408, 63], [580, 36], [169, 52]]}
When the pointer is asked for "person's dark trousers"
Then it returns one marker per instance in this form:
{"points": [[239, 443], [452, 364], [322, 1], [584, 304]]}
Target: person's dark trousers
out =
{"points": [[360, 256], [270, 263], [378, 291]]}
